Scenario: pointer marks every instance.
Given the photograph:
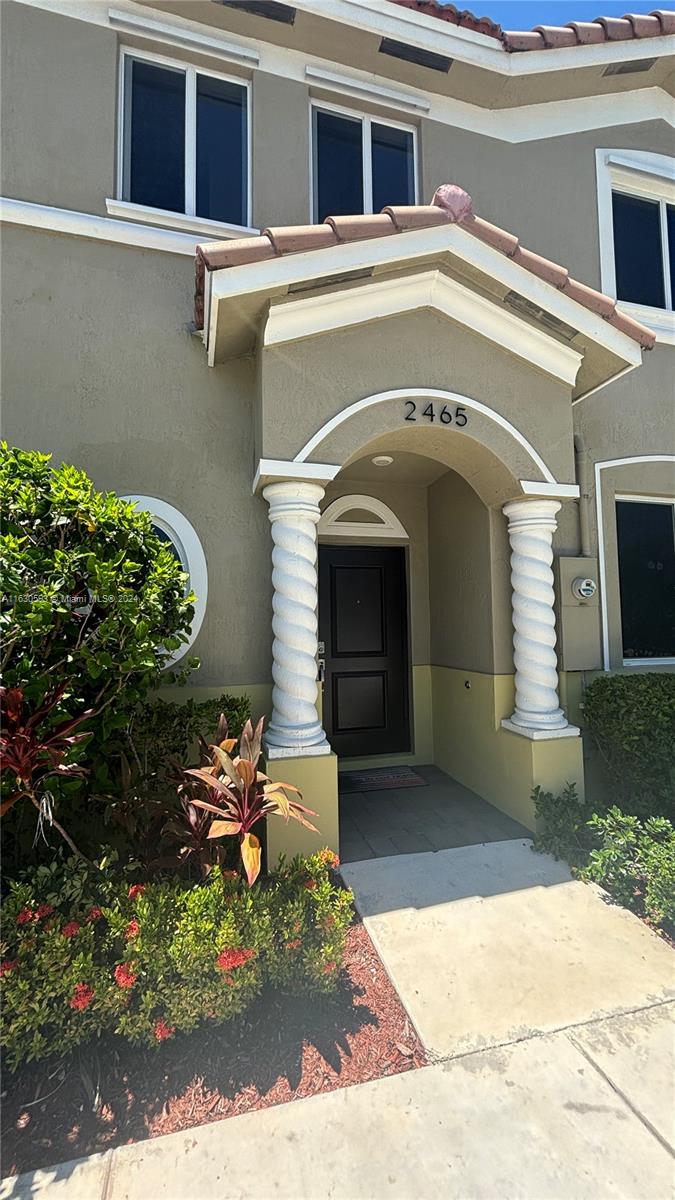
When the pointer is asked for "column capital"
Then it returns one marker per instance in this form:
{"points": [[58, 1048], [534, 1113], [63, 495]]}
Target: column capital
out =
{"points": [[533, 512], [294, 498]]}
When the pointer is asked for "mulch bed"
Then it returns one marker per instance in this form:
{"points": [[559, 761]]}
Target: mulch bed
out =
{"points": [[281, 1049]]}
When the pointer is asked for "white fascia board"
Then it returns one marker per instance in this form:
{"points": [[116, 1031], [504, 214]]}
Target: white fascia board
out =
{"points": [[297, 319], [380, 17], [142, 25], [101, 229], [522, 123], [406, 247]]}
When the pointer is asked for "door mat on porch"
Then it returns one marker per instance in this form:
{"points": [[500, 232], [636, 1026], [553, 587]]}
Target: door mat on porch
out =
{"points": [[379, 779]]}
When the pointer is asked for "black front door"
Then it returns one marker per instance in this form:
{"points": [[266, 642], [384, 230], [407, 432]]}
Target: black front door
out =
{"points": [[363, 626]]}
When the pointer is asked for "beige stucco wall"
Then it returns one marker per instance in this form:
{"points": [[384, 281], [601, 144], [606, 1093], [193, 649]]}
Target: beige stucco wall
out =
{"points": [[306, 383], [99, 366]]}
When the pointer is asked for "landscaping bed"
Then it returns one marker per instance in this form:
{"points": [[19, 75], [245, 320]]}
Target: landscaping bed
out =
{"points": [[282, 1048]]}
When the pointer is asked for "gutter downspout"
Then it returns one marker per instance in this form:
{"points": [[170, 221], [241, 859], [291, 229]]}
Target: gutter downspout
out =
{"points": [[583, 479]]}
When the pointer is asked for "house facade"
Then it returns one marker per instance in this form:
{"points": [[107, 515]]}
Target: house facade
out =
{"points": [[371, 305]]}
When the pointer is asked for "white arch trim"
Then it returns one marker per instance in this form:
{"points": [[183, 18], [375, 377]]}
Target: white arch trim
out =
{"points": [[387, 526], [191, 553], [599, 468], [423, 394]]}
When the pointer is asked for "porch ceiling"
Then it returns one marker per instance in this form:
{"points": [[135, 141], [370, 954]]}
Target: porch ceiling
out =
{"points": [[341, 274]]}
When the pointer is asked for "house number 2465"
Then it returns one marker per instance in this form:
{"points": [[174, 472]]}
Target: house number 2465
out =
{"points": [[430, 413]]}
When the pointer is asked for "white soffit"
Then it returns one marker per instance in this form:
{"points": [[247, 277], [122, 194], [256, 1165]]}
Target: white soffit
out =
{"points": [[291, 320]]}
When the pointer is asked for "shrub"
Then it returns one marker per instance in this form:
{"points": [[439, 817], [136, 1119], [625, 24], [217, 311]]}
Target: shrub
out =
{"points": [[86, 951], [92, 599], [565, 833], [635, 863], [631, 719]]}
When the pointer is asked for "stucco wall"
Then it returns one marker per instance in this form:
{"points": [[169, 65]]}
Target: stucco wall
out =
{"points": [[99, 367]]}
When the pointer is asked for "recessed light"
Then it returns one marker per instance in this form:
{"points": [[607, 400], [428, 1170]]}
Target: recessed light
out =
{"points": [[382, 460]]}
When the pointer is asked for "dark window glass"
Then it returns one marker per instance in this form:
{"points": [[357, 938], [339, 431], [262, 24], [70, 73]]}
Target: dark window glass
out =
{"points": [[393, 166], [339, 166], [156, 136], [168, 541], [646, 542], [221, 150], [670, 217], [637, 250]]}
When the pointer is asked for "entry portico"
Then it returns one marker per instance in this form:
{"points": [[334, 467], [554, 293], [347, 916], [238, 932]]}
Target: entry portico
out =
{"points": [[451, 359]]}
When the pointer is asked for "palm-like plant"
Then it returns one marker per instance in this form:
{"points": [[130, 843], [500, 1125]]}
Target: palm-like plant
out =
{"points": [[238, 795]]}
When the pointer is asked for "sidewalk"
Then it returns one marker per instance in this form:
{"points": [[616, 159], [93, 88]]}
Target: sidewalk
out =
{"points": [[584, 1114]]}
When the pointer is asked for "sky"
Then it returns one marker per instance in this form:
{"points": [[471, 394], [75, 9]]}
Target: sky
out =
{"points": [[523, 14]]}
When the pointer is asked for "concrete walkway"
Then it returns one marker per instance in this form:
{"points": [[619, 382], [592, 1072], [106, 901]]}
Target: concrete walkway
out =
{"points": [[505, 965]]}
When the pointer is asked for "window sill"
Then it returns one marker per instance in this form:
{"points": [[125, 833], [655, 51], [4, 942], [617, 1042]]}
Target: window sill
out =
{"points": [[174, 220], [649, 662], [660, 320]]}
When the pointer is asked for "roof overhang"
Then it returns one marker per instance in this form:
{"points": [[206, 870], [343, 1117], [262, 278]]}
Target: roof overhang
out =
{"points": [[443, 269]]}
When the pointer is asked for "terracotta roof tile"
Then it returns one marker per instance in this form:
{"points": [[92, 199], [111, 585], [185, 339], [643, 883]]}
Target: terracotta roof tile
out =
{"points": [[450, 205], [552, 37]]}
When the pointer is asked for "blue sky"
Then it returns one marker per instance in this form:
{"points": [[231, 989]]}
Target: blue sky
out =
{"points": [[523, 14]]}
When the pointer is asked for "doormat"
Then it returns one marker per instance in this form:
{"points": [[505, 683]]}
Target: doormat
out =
{"points": [[379, 780]]}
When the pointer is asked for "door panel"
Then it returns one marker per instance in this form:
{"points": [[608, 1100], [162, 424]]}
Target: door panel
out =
{"points": [[363, 625]]}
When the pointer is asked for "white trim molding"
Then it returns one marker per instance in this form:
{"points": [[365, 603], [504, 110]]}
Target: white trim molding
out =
{"points": [[190, 551], [174, 34], [311, 315], [551, 491], [649, 176], [362, 89], [387, 524], [101, 229], [424, 394], [269, 469], [127, 210], [607, 464]]}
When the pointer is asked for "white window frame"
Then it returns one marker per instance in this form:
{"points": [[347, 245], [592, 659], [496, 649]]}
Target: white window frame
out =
{"points": [[633, 499], [647, 176], [188, 219], [191, 553], [367, 121]]}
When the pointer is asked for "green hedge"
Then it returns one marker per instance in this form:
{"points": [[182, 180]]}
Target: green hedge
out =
{"points": [[88, 951], [631, 719]]}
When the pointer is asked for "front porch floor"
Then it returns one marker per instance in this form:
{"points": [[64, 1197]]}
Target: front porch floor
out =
{"points": [[441, 816]]}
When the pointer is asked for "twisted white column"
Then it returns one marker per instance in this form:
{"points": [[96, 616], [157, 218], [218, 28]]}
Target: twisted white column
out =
{"points": [[295, 727], [531, 527]]}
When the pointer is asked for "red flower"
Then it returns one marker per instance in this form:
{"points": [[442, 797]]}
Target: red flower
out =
{"points": [[135, 890], [132, 930], [293, 945], [233, 958], [45, 910], [25, 916], [94, 914], [70, 929], [329, 859], [163, 1030], [310, 884], [82, 996], [125, 976], [329, 968], [7, 965]]}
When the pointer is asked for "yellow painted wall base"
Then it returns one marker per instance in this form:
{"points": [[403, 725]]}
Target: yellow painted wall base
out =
{"points": [[316, 777], [501, 766]]}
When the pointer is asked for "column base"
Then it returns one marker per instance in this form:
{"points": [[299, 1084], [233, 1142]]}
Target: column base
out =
{"points": [[274, 752], [541, 735], [316, 777]]}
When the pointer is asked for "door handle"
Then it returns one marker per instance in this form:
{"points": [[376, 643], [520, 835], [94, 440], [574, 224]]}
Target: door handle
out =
{"points": [[321, 669]]}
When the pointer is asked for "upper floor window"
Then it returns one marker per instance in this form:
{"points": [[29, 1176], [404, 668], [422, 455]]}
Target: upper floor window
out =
{"points": [[184, 140], [646, 549], [360, 164], [636, 210]]}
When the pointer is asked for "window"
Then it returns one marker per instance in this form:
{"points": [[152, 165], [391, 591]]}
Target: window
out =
{"points": [[173, 528], [644, 249], [360, 164], [636, 214], [184, 140], [646, 550]]}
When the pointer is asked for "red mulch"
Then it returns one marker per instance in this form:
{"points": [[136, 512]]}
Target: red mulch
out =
{"points": [[283, 1048]]}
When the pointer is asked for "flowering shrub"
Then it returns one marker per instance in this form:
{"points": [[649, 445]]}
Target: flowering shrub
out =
{"points": [[147, 961]]}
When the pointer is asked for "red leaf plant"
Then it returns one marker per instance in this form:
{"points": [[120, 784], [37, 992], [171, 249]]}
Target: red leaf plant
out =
{"points": [[32, 750], [238, 795]]}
